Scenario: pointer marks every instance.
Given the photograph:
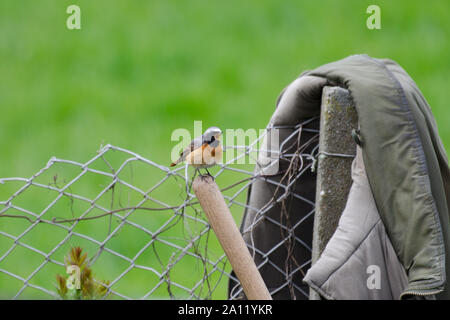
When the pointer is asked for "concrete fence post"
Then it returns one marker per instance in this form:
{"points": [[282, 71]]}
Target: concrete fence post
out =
{"points": [[336, 150]]}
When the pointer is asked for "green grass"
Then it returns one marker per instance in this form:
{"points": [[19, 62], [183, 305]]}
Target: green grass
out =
{"points": [[138, 70]]}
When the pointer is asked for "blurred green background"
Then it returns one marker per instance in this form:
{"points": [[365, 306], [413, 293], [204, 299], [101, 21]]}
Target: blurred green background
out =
{"points": [[137, 70]]}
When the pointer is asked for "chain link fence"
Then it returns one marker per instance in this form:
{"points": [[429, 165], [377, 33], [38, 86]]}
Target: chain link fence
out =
{"points": [[140, 224]]}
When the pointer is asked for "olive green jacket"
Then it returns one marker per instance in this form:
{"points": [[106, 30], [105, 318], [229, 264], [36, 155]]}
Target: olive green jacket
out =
{"points": [[406, 165]]}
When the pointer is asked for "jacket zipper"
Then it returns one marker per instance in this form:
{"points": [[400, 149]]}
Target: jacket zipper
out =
{"points": [[419, 293]]}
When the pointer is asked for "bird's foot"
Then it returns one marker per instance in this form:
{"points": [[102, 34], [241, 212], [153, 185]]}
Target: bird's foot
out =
{"points": [[206, 175]]}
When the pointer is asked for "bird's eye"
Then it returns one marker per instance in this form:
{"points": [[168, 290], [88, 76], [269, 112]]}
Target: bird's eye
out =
{"points": [[213, 138]]}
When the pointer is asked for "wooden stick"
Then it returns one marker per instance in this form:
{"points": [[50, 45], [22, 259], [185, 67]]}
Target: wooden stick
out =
{"points": [[221, 221]]}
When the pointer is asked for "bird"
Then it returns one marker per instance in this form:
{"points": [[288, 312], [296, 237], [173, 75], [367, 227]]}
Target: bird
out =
{"points": [[203, 152]]}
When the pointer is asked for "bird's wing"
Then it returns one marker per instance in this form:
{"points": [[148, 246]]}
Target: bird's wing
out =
{"points": [[195, 144]]}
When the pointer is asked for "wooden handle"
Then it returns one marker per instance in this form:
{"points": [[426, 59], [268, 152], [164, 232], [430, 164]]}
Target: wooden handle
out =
{"points": [[221, 221]]}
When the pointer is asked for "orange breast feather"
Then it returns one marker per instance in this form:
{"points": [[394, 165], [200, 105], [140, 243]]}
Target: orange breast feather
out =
{"points": [[205, 156]]}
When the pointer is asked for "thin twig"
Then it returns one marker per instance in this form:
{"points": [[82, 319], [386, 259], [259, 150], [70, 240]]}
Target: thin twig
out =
{"points": [[55, 220]]}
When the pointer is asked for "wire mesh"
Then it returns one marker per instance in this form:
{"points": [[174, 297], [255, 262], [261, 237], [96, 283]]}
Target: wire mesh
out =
{"points": [[139, 222]]}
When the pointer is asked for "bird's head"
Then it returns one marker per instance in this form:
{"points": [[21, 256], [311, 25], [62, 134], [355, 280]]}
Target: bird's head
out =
{"points": [[212, 134]]}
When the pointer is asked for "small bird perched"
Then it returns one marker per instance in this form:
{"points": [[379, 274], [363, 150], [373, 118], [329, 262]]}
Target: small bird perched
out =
{"points": [[204, 151]]}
